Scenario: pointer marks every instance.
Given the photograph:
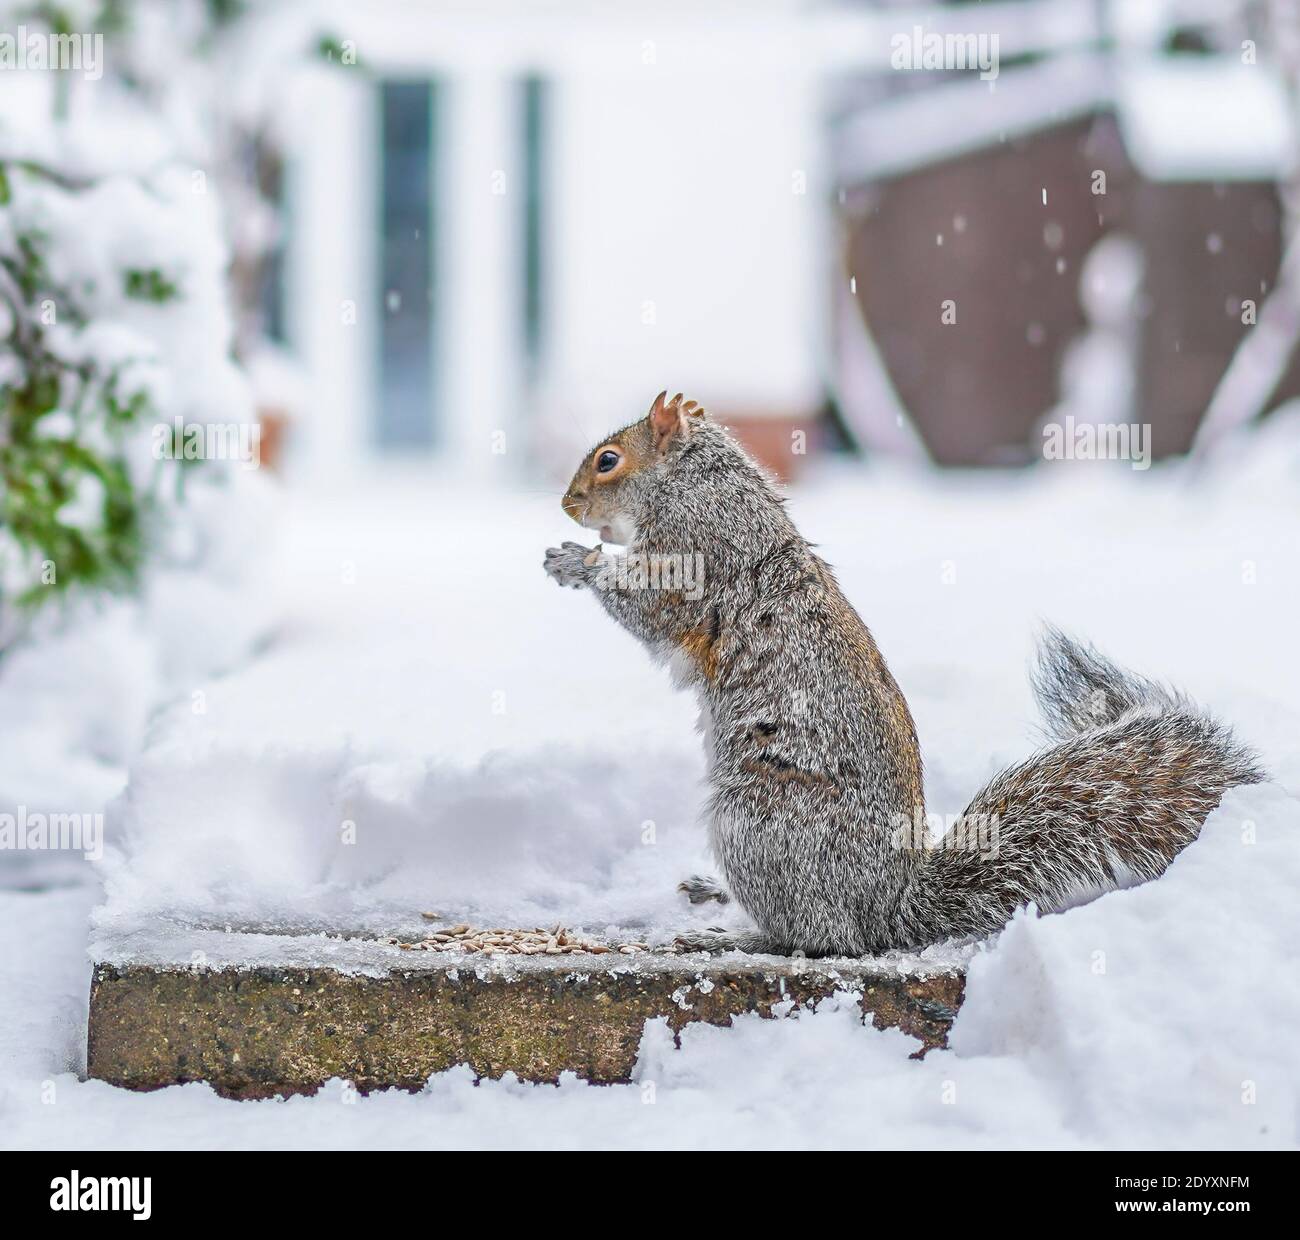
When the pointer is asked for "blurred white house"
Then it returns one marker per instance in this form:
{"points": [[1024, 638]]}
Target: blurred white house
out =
{"points": [[518, 221], [510, 223]]}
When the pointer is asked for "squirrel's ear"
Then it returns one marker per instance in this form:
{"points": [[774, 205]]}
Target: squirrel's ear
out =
{"points": [[667, 419]]}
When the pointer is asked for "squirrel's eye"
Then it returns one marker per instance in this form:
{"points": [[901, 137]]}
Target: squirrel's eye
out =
{"points": [[606, 461]]}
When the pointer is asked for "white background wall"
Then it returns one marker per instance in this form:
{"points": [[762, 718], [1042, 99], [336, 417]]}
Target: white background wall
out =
{"points": [[687, 231]]}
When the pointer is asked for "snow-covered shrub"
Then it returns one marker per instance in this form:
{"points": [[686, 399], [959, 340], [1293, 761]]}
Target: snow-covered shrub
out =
{"points": [[117, 333], [114, 305], [125, 196]]}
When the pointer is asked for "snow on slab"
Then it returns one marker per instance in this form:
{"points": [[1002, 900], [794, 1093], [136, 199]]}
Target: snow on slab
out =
{"points": [[168, 946]]}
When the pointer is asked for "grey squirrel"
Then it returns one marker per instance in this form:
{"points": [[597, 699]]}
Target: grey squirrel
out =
{"points": [[814, 766]]}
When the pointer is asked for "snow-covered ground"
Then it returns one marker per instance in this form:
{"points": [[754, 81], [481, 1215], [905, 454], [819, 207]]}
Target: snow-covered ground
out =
{"points": [[435, 725]]}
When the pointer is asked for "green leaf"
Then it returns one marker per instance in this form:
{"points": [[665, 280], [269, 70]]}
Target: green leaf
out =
{"points": [[150, 285]]}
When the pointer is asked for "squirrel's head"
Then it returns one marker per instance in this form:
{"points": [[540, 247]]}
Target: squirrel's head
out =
{"points": [[619, 473]]}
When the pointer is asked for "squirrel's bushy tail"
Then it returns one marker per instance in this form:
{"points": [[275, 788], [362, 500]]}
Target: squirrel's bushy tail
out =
{"points": [[1133, 773], [1079, 691]]}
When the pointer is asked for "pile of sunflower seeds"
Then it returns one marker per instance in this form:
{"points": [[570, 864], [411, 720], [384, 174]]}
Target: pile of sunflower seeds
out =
{"points": [[501, 942]]}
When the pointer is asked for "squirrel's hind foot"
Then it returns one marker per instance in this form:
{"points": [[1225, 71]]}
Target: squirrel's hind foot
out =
{"points": [[715, 939], [700, 890]]}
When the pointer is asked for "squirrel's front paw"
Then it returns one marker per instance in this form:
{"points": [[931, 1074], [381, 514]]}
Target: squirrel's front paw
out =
{"points": [[572, 564], [699, 890]]}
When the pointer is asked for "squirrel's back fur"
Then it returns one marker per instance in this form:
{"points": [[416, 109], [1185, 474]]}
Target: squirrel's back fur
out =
{"points": [[816, 808]]}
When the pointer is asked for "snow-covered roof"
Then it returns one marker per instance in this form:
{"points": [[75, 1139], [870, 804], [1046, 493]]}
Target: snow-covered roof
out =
{"points": [[1182, 117], [1199, 118], [923, 127]]}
